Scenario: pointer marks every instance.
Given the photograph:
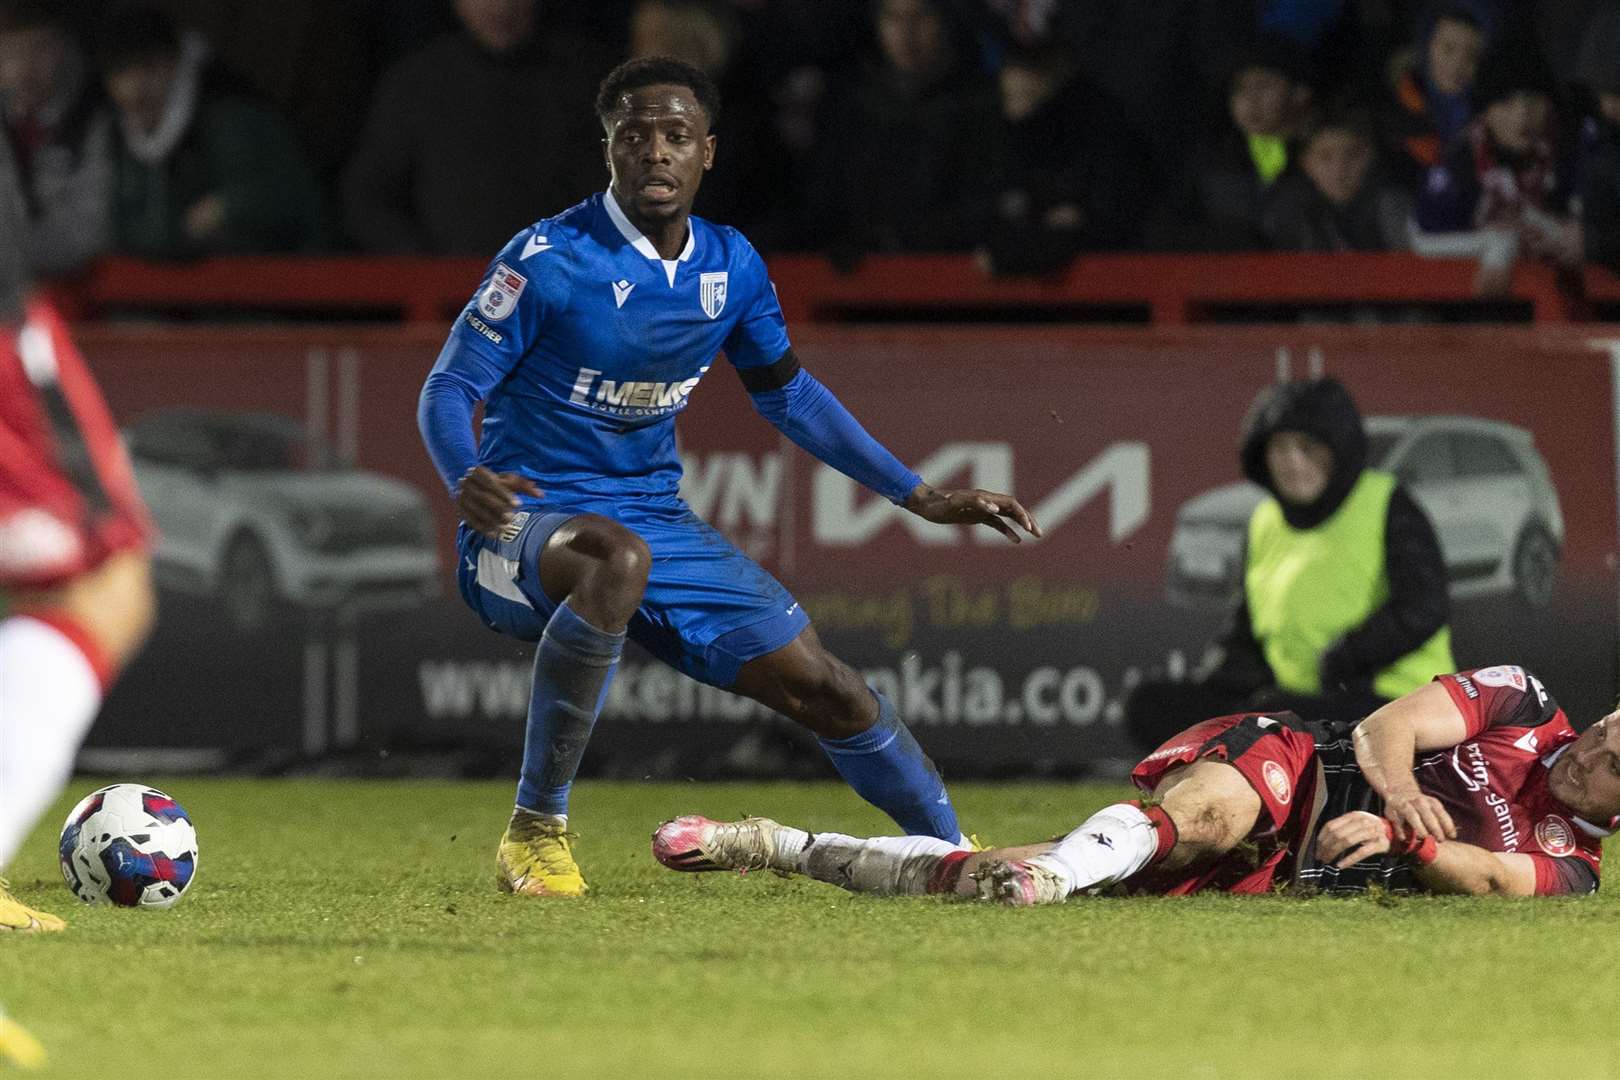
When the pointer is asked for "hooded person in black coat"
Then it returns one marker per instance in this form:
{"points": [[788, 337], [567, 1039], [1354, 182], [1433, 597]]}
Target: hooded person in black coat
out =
{"points": [[1304, 443]]}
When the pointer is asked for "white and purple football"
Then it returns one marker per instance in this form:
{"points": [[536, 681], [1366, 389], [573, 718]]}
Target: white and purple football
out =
{"points": [[130, 845]]}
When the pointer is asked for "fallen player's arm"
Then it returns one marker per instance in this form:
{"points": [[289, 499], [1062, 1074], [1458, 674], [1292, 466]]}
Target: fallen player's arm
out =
{"points": [[1386, 743], [1442, 866], [1473, 871]]}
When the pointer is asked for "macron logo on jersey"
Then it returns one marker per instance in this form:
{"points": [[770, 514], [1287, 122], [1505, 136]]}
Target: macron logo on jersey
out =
{"points": [[631, 398], [534, 245], [621, 292]]}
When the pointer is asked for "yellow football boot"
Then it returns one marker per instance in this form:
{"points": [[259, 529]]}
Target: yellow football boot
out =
{"points": [[19, 1047], [16, 915], [536, 857]]}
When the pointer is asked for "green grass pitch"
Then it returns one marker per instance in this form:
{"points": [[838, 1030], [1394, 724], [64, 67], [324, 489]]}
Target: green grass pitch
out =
{"points": [[352, 929]]}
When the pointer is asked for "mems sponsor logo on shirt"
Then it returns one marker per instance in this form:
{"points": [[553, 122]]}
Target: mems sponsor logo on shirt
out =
{"points": [[631, 398]]}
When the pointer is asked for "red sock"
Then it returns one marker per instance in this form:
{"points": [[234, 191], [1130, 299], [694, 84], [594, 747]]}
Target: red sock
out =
{"points": [[948, 872], [1163, 828]]}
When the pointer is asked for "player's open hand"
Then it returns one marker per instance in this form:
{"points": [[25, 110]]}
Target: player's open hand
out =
{"points": [[1350, 838], [971, 506], [1417, 814], [486, 499]]}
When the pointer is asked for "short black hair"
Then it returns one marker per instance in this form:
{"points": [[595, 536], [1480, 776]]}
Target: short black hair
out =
{"points": [[133, 30], [656, 71]]}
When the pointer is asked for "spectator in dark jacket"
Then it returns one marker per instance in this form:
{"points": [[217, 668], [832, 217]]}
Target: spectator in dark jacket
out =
{"points": [[1431, 93], [1222, 199], [1336, 199], [476, 135], [908, 158], [60, 135], [1344, 604], [1600, 172], [1078, 177], [197, 170], [1506, 182]]}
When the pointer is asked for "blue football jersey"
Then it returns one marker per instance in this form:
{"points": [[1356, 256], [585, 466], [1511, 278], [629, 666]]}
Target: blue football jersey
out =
{"points": [[584, 344]]}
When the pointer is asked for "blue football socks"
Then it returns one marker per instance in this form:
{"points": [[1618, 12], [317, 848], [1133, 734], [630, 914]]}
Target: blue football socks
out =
{"points": [[888, 769], [573, 668]]}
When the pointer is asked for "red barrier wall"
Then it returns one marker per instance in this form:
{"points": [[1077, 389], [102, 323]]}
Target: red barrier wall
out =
{"points": [[1171, 289], [1004, 657]]}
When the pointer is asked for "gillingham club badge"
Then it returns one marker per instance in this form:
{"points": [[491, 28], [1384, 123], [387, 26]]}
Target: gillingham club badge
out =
{"points": [[712, 293]]}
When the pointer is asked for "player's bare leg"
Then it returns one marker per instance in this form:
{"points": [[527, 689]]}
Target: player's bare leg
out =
{"points": [[596, 571], [1202, 811], [597, 567], [862, 735], [58, 649], [115, 603], [1213, 808]]}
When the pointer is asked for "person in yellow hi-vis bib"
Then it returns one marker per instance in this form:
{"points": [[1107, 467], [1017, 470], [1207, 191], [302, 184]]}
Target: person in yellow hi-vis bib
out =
{"points": [[1344, 604]]}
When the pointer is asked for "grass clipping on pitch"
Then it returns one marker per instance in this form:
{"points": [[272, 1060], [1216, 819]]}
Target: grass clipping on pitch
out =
{"points": [[342, 929]]}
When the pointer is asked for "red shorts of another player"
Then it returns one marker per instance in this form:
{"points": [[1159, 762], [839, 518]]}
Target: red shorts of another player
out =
{"points": [[1276, 754], [65, 506]]}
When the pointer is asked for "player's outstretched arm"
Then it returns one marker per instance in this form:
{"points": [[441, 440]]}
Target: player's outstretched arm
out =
{"points": [[1386, 742], [808, 413], [1448, 866]]}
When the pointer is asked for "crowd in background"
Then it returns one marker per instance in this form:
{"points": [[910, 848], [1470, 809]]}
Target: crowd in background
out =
{"points": [[1027, 131]]}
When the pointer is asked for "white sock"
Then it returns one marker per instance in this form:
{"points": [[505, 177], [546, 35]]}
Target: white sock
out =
{"points": [[790, 845], [882, 865], [49, 695], [1113, 844], [548, 819]]}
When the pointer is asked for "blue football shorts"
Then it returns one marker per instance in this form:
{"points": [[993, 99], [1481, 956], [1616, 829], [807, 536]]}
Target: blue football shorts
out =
{"points": [[708, 608]]}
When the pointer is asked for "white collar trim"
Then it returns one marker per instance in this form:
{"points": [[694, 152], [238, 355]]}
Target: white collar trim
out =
{"points": [[639, 241]]}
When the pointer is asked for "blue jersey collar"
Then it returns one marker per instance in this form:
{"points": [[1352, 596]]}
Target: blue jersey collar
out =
{"points": [[640, 242]]}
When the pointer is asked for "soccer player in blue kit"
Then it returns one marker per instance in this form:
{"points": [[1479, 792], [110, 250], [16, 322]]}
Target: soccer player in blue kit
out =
{"points": [[587, 336]]}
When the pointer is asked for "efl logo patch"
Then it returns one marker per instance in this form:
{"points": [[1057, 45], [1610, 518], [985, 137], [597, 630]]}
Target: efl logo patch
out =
{"points": [[1277, 780], [1505, 675], [500, 297], [1554, 835], [712, 293]]}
